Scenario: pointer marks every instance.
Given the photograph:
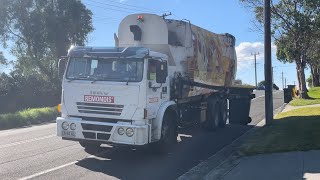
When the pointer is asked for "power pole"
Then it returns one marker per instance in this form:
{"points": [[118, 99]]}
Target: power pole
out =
{"points": [[272, 76], [268, 63], [255, 67], [285, 82], [282, 81]]}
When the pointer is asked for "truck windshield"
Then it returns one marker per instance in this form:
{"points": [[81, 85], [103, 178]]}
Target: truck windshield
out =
{"points": [[100, 69]]}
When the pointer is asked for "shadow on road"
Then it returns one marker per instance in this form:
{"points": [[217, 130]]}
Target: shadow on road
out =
{"points": [[196, 145]]}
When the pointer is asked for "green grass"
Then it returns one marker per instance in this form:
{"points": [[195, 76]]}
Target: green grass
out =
{"points": [[314, 94], [27, 117], [296, 130], [304, 102]]}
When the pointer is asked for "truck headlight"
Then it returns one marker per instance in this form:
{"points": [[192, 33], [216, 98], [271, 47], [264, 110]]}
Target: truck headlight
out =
{"points": [[73, 126], [120, 131], [129, 132], [65, 125]]}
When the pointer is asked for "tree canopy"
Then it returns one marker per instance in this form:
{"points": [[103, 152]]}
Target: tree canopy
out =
{"points": [[39, 33], [42, 31]]}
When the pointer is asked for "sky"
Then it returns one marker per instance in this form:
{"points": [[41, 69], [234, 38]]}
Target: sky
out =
{"points": [[219, 16]]}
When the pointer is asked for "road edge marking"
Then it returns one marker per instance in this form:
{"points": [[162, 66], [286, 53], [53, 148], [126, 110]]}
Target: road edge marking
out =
{"points": [[59, 167], [26, 141], [48, 170]]}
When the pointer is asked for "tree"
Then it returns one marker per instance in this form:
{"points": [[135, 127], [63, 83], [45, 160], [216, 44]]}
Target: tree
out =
{"points": [[42, 31], [294, 24], [314, 61]]}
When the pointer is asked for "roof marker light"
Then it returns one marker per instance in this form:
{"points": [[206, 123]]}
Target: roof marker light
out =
{"points": [[140, 18]]}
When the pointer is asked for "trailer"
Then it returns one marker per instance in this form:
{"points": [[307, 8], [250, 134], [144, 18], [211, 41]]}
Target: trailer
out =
{"points": [[163, 75]]}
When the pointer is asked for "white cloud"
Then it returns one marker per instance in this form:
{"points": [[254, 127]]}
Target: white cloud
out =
{"points": [[246, 49]]}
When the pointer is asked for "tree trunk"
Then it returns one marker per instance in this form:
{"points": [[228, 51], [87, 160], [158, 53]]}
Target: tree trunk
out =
{"points": [[315, 76], [303, 90], [298, 77]]}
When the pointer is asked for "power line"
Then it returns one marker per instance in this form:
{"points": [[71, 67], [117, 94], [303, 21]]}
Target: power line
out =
{"points": [[103, 17], [139, 7], [135, 8], [107, 20], [105, 8]]}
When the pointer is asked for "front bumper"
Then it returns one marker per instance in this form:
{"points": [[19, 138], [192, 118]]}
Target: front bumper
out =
{"points": [[103, 132]]}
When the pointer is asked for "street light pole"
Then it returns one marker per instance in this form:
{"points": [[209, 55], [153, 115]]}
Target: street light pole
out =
{"points": [[268, 63]]}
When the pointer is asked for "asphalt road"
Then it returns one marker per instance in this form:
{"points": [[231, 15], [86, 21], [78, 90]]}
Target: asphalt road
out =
{"points": [[36, 153]]}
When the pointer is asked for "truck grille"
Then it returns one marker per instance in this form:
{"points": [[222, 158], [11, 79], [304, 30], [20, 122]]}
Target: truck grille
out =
{"points": [[95, 127], [95, 108], [99, 136]]}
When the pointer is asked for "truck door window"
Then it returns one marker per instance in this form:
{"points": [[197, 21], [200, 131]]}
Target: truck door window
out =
{"points": [[94, 65], [152, 69]]}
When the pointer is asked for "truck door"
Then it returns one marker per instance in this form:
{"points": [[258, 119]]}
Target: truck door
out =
{"points": [[156, 92]]}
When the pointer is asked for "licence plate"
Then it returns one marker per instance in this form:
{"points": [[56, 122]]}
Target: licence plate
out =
{"points": [[69, 134]]}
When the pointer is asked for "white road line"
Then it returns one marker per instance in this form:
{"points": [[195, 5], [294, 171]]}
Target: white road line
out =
{"points": [[42, 127], [26, 141], [59, 167], [47, 171]]}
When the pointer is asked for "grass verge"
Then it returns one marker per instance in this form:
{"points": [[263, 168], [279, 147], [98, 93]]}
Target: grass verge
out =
{"points": [[304, 102], [27, 117], [314, 94], [296, 130]]}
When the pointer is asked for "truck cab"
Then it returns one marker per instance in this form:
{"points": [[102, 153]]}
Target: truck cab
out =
{"points": [[113, 95]]}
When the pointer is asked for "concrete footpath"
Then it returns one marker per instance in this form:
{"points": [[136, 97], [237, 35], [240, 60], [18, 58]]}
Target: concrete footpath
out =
{"points": [[291, 166], [230, 164]]}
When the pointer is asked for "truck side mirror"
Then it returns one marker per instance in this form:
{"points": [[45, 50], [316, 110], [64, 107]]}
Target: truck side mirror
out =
{"points": [[162, 72], [61, 67]]}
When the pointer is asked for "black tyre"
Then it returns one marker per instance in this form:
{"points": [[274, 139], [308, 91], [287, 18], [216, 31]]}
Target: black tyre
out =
{"points": [[212, 122], [168, 134], [223, 113], [90, 145]]}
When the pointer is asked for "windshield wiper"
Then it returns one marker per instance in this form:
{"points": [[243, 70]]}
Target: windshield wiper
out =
{"points": [[94, 79], [79, 77]]}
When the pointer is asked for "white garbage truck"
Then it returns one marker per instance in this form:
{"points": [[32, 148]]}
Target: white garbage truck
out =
{"points": [[162, 75]]}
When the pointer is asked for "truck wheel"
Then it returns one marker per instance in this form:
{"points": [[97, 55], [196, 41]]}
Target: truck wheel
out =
{"points": [[223, 113], [212, 122], [90, 145], [168, 135]]}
